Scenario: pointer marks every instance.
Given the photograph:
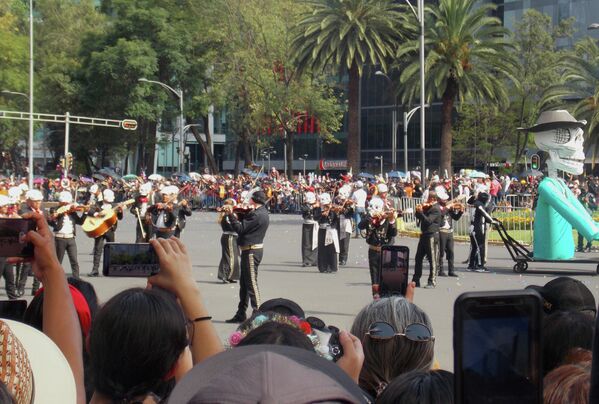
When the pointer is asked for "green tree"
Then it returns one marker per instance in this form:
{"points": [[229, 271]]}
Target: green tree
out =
{"points": [[348, 34], [536, 38], [468, 57], [580, 88]]}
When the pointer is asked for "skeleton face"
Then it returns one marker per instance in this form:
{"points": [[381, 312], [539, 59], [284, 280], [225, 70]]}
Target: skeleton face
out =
{"points": [[565, 148]]}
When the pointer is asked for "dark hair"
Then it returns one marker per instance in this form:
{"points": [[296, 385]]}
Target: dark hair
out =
{"points": [[88, 291], [135, 340], [562, 331], [275, 333], [419, 386], [6, 396], [568, 384]]}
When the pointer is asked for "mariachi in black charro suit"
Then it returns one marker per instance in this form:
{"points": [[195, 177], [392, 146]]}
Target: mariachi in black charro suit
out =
{"points": [[109, 236]]}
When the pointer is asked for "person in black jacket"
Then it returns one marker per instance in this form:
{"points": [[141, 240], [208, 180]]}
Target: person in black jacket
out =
{"points": [[165, 214], [344, 228], [478, 231], [430, 217], [251, 229], [450, 213], [143, 231], [381, 230], [183, 211], [228, 268], [108, 199], [328, 238], [64, 225], [309, 231]]}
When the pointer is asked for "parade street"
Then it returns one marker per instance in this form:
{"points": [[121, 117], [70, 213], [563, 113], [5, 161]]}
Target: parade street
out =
{"points": [[336, 298]]}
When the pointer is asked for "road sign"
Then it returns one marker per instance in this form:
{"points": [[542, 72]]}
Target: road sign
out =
{"points": [[129, 124]]}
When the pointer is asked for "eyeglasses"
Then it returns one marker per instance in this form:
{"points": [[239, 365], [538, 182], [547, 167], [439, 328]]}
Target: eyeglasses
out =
{"points": [[416, 332]]}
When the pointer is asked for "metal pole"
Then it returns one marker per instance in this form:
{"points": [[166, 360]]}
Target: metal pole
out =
{"points": [[67, 129], [405, 141], [394, 139], [304, 167], [422, 101], [182, 123], [285, 155], [381, 166], [30, 93]]}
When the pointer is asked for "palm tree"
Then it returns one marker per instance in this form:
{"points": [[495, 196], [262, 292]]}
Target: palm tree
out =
{"points": [[468, 57], [580, 88], [347, 34]]}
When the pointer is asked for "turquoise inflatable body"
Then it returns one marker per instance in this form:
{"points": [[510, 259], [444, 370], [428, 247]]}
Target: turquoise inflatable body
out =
{"points": [[557, 212]]}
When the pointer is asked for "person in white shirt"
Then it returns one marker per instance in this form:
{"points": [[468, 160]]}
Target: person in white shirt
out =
{"points": [[359, 197]]}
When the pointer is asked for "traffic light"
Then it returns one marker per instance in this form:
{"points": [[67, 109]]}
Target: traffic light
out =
{"points": [[129, 124], [535, 162], [69, 160]]}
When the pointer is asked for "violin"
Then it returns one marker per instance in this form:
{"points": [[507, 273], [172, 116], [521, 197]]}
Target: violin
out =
{"points": [[423, 207], [68, 209]]}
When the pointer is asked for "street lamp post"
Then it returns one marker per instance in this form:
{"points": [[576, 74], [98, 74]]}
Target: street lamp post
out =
{"points": [[31, 94], [420, 17], [406, 120], [303, 158], [178, 94], [381, 159]]}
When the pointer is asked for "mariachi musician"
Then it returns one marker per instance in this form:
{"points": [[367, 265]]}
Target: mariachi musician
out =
{"points": [[450, 213], [164, 215], [33, 203], [328, 239], [346, 212], [309, 231], [7, 269], [183, 212], [430, 218], [139, 210], [64, 220], [95, 211], [228, 268], [380, 226]]}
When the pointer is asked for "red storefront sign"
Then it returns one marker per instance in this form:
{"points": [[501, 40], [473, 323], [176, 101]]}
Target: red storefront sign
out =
{"points": [[333, 164]]}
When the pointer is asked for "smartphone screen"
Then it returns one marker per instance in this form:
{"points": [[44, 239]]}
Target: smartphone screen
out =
{"points": [[393, 274], [13, 309], [130, 260], [12, 232], [497, 348]]}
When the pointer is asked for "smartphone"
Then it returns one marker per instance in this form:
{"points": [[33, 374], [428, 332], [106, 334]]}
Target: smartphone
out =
{"points": [[130, 260], [13, 309], [12, 232], [497, 347], [393, 270]]}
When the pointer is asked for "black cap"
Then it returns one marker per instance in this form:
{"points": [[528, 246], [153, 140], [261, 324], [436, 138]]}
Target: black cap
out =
{"points": [[259, 197], [566, 294], [282, 306]]}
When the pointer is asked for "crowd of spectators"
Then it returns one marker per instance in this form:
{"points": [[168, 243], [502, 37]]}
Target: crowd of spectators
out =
{"points": [[159, 344]]}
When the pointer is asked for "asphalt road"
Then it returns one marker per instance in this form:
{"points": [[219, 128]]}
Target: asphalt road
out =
{"points": [[336, 298]]}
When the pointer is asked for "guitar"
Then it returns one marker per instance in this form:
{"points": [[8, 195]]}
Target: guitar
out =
{"points": [[97, 226]]}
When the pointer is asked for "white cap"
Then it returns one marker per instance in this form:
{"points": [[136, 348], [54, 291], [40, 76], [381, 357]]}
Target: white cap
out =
{"points": [[24, 187], [441, 193], [108, 195], [169, 190], [4, 200], [145, 189], [325, 199], [382, 188], [65, 197], [376, 205], [359, 184], [310, 197], [435, 178], [93, 189], [34, 195]]}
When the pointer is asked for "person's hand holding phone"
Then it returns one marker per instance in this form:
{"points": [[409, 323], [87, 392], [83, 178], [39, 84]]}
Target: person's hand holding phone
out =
{"points": [[44, 261], [175, 267], [353, 355]]}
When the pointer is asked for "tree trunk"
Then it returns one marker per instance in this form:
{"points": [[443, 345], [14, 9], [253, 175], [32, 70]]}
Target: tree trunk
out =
{"points": [[247, 151], [446, 127], [207, 151], [289, 143], [209, 155], [353, 121]]}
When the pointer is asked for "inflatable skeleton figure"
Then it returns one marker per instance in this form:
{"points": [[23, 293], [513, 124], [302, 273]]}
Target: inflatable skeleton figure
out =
{"points": [[558, 211]]}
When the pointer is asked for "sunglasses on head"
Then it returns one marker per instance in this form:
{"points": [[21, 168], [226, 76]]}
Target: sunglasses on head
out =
{"points": [[416, 332]]}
